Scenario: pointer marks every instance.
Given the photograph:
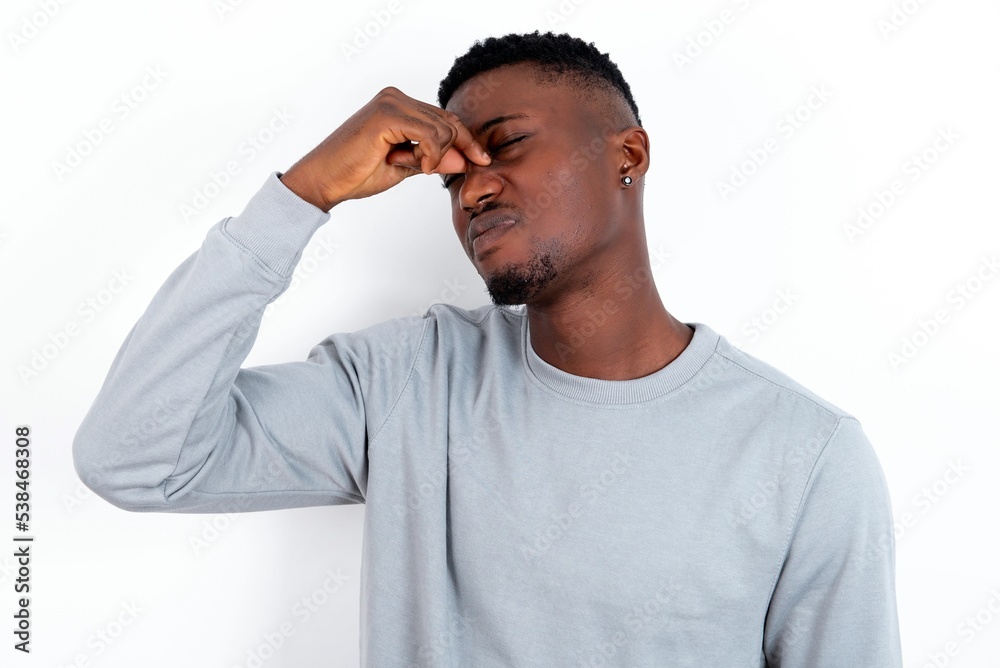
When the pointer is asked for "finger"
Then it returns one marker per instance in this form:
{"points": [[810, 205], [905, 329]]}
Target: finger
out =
{"points": [[423, 134], [404, 155], [461, 136], [453, 162], [427, 139], [464, 140]]}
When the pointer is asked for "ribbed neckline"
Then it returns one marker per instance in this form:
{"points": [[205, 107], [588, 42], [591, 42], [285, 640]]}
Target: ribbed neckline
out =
{"points": [[600, 391]]}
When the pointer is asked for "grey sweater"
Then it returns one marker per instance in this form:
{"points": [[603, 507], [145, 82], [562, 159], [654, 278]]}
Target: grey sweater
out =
{"points": [[712, 514]]}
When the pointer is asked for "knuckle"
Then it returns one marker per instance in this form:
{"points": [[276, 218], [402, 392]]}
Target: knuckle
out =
{"points": [[384, 107], [443, 134]]}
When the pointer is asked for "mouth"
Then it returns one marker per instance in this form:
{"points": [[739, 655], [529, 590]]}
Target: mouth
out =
{"points": [[488, 239], [484, 222]]}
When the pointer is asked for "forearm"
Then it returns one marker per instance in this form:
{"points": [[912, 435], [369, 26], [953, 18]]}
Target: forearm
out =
{"points": [[169, 398]]}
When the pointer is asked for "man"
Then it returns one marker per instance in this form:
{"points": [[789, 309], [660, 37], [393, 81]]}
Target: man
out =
{"points": [[586, 482]]}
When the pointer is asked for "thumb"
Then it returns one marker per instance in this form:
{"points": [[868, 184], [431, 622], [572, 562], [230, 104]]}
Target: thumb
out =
{"points": [[452, 162], [402, 157]]}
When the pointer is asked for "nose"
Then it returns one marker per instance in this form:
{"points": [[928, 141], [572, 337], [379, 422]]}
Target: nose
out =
{"points": [[480, 184]]}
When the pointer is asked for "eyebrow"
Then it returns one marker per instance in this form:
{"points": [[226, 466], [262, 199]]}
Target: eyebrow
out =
{"points": [[497, 121], [489, 125]]}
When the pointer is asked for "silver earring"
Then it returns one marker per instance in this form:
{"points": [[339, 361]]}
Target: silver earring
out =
{"points": [[627, 180]]}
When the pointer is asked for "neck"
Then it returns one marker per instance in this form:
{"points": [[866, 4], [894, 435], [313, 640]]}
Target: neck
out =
{"points": [[615, 328]]}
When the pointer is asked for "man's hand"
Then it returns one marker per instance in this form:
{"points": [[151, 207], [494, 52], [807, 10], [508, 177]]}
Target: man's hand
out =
{"points": [[390, 138]]}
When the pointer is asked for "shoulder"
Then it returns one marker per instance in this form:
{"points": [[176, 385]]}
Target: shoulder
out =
{"points": [[836, 444], [777, 417], [760, 377]]}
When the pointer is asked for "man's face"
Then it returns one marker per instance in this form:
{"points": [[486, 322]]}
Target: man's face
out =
{"points": [[545, 174]]}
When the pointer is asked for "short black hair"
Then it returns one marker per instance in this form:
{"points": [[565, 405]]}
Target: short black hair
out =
{"points": [[559, 59]]}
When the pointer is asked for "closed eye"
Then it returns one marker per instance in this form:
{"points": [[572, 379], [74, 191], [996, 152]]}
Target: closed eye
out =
{"points": [[447, 182]]}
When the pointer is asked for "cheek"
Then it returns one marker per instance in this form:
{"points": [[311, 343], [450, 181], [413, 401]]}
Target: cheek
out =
{"points": [[584, 207], [577, 192], [558, 193]]}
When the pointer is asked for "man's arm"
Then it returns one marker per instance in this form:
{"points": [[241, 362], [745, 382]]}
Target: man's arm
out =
{"points": [[178, 426], [834, 603]]}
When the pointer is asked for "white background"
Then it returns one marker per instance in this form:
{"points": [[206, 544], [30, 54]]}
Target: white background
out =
{"points": [[853, 300]]}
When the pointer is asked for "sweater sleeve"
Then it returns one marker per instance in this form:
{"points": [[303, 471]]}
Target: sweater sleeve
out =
{"points": [[834, 602], [179, 426]]}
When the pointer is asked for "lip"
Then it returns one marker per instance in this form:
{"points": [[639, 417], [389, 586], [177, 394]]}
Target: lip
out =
{"points": [[485, 221], [489, 238]]}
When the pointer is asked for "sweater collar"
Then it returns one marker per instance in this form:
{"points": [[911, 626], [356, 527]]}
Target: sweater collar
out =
{"points": [[601, 391]]}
